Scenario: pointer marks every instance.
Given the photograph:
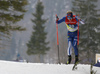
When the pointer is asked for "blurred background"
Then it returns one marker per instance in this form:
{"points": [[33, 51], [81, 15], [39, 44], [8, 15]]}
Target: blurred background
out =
{"points": [[16, 29]]}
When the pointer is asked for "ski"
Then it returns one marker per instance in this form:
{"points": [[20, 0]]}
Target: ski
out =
{"points": [[75, 66]]}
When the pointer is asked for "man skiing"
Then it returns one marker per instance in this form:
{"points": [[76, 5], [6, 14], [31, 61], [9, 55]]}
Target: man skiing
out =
{"points": [[98, 63], [72, 26]]}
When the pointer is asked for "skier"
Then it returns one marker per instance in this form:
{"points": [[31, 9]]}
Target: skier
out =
{"points": [[72, 26], [98, 63]]}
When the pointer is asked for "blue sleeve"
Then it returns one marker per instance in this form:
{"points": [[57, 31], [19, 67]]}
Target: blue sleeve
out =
{"points": [[61, 20], [76, 18], [81, 21]]}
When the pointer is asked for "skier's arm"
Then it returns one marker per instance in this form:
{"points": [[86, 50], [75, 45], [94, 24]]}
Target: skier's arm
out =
{"points": [[80, 20], [61, 20]]}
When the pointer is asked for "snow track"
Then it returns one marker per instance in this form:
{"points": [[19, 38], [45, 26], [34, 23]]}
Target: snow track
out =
{"points": [[7, 67]]}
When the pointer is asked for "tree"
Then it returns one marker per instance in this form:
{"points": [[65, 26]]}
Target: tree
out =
{"points": [[89, 32], [37, 43], [11, 12]]}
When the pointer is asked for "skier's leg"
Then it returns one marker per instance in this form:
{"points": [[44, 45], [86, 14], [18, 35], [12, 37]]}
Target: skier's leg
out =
{"points": [[75, 48], [69, 51], [74, 44]]}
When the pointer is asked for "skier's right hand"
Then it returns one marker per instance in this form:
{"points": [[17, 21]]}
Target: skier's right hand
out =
{"points": [[57, 20]]}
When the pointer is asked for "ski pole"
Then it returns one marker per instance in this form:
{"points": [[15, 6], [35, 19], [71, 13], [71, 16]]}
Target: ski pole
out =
{"points": [[78, 32], [57, 40]]}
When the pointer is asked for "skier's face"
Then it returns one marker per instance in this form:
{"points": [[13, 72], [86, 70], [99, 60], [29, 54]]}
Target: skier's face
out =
{"points": [[69, 16]]}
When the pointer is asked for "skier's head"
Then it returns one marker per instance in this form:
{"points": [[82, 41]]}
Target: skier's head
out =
{"points": [[69, 15]]}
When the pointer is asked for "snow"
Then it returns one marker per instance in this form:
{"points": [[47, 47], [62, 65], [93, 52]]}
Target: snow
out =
{"points": [[7, 67]]}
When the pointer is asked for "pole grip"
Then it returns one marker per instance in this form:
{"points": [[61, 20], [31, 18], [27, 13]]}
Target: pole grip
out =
{"points": [[56, 16]]}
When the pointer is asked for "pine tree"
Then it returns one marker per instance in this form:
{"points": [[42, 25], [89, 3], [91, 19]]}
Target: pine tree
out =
{"points": [[11, 11], [37, 43], [89, 32]]}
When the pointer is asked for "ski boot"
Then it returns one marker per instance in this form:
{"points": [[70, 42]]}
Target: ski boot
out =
{"points": [[76, 59], [76, 62], [69, 59]]}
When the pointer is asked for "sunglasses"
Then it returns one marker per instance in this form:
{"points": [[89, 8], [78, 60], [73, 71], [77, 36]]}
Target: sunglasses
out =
{"points": [[69, 17]]}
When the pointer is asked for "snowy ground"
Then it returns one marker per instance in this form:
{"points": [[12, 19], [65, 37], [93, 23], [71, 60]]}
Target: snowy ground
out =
{"points": [[7, 67]]}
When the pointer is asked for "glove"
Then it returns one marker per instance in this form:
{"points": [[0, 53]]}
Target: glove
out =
{"points": [[57, 20]]}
